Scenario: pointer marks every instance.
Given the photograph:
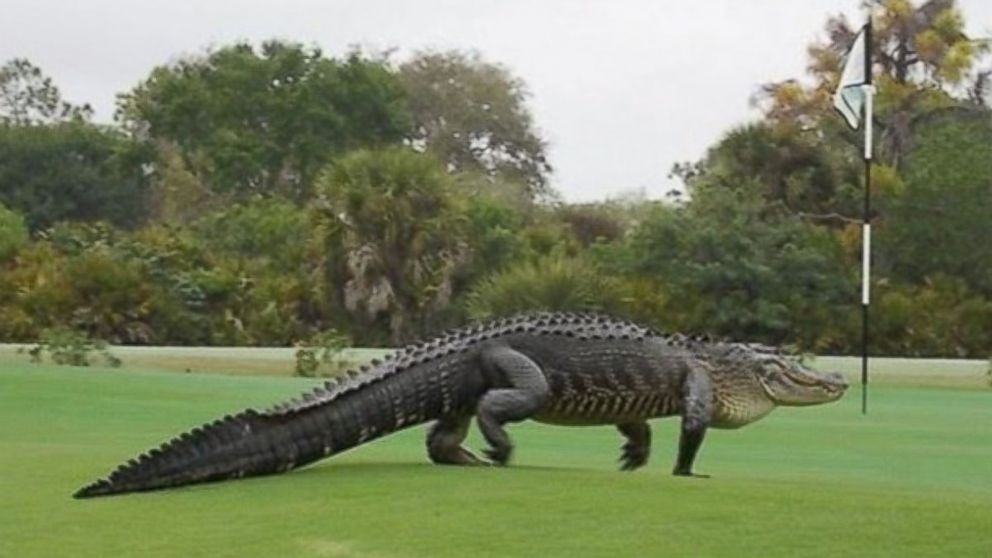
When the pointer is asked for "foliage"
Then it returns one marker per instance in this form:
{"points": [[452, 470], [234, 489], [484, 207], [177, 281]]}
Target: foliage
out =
{"points": [[89, 291], [264, 121], [922, 53], [28, 97], [321, 355], [66, 346], [13, 233], [941, 317], [794, 173], [157, 285], [938, 222], [595, 222], [261, 196], [269, 229], [177, 196], [71, 171], [552, 283], [744, 274], [393, 228], [494, 234], [472, 115]]}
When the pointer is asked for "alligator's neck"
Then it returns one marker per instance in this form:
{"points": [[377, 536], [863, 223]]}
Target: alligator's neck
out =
{"points": [[734, 409]]}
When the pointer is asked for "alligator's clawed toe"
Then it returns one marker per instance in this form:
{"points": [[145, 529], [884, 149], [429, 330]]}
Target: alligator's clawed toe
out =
{"points": [[473, 460], [498, 456], [633, 457], [690, 474]]}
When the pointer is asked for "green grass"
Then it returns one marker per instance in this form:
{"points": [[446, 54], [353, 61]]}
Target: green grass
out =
{"points": [[913, 478]]}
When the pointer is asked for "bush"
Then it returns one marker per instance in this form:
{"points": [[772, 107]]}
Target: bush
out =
{"points": [[942, 317], [13, 233], [740, 272], [66, 346], [273, 230], [321, 356], [552, 283]]}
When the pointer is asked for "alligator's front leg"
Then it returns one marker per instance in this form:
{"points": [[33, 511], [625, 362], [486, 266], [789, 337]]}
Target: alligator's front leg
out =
{"points": [[527, 392], [444, 442], [697, 401], [638, 446]]}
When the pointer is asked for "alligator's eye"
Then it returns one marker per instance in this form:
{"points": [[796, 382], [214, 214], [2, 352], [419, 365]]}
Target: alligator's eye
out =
{"points": [[774, 365]]}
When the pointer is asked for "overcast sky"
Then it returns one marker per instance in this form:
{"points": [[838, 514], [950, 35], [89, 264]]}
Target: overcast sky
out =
{"points": [[621, 89]]}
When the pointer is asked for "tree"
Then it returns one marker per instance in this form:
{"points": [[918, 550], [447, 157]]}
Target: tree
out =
{"points": [[72, 170], [794, 174], [265, 121], [28, 97], [472, 115], [939, 221], [272, 230], [922, 56], [743, 273], [392, 228]]}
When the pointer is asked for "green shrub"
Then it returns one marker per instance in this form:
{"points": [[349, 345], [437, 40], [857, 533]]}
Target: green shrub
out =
{"points": [[322, 355], [552, 283], [13, 233], [942, 317], [70, 347], [273, 230]]}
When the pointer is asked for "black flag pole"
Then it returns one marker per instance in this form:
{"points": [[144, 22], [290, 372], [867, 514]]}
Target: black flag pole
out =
{"points": [[866, 221], [853, 100]]}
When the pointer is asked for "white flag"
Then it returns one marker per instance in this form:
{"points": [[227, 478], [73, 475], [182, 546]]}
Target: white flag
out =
{"points": [[850, 96]]}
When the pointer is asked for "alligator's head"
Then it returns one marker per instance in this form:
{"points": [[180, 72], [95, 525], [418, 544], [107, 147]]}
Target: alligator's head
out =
{"points": [[751, 380], [788, 382]]}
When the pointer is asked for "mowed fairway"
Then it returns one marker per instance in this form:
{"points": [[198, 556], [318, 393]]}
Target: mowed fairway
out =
{"points": [[913, 478]]}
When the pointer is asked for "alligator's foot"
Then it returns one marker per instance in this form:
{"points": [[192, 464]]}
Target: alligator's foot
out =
{"points": [[678, 473], [467, 457], [499, 455], [636, 451], [634, 456], [459, 456], [444, 442]]}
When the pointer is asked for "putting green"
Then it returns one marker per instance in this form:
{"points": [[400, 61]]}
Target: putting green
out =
{"points": [[913, 478]]}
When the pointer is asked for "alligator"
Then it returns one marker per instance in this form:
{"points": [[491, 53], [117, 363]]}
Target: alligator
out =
{"points": [[558, 368]]}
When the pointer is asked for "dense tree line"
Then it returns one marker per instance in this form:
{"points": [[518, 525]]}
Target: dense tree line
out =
{"points": [[267, 195]]}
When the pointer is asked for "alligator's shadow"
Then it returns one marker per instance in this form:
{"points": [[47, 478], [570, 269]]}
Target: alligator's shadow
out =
{"points": [[342, 473], [391, 468]]}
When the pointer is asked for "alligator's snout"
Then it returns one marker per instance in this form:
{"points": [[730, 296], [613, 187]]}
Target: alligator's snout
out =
{"points": [[837, 380]]}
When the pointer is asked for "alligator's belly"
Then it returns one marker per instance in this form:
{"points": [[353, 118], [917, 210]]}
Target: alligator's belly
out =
{"points": [[591, 411]]}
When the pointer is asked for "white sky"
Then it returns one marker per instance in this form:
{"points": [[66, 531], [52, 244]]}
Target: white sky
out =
{"points": [[621, 89]]}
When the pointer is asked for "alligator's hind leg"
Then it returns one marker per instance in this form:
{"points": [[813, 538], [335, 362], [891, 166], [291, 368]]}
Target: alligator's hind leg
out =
{"points": [[527, 392], [444, 442], [638, 446]]}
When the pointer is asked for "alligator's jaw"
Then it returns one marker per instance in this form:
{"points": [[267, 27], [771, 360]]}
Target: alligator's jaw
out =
{"points": [[800, 386]]}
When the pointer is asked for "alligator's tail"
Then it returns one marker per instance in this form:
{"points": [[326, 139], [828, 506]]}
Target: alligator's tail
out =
{"points": [[328, 421]]}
